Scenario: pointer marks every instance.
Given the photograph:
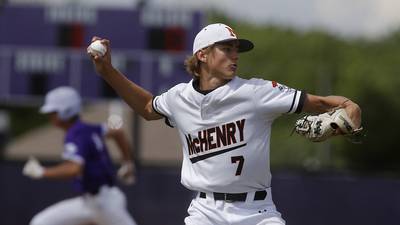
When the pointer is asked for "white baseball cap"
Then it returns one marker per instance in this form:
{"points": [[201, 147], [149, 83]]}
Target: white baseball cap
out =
{"points": [[218, 32], [64, 100]]}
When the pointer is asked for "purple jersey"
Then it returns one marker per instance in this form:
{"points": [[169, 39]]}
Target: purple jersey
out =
{"points": [[84, 144]]}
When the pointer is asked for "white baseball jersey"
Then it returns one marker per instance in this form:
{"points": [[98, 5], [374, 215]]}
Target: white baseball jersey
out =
{"points": [[225, 134]]}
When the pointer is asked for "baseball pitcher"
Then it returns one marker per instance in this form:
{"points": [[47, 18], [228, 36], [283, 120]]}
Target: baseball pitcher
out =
{"points": [[224, 123]]}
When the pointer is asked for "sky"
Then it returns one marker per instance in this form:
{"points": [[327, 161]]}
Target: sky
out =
{"points": [[348, 18]]}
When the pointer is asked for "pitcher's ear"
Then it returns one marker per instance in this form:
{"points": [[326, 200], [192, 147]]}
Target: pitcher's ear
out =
{"points": [[201, 55]]}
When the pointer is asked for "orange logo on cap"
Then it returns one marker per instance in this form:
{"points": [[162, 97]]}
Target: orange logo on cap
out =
{"points": [[231, 31]]}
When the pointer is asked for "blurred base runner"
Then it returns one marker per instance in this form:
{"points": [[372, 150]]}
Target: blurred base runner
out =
{"points": [[108, 207]]}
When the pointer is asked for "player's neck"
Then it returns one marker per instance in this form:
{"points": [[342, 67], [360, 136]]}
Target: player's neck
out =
{"points": [[65, 125], [207, 83]]}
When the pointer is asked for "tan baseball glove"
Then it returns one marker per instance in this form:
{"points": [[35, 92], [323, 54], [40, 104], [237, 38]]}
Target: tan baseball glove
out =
{"points": [[323, 126]]}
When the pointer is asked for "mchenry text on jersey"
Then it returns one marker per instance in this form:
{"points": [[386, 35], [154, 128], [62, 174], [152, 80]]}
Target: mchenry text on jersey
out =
{"points": [[222, 138]]}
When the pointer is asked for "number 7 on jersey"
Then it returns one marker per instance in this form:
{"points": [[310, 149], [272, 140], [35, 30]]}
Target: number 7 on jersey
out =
{"points": [[239, 159]]}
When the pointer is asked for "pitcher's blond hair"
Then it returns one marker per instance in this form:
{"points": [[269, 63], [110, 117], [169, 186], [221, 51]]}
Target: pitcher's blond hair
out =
{"points": [[192, 63]]}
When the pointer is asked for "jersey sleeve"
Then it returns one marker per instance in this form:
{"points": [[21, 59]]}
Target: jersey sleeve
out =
{"points": [[162, 104], [275, 99], [74, 151]]}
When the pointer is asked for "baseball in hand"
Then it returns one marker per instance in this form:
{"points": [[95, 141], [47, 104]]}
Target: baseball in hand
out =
{"points": [[96, 48]]}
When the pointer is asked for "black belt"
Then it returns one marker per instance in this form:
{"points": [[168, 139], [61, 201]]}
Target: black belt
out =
{"points": [[236, 197]]}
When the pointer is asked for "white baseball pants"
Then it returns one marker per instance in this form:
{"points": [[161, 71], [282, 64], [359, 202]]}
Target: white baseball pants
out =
{"points": [[207, 211], [108, 207]]}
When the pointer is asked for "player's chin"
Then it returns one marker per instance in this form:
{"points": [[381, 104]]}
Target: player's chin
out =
{"points": [[230, 74]]}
